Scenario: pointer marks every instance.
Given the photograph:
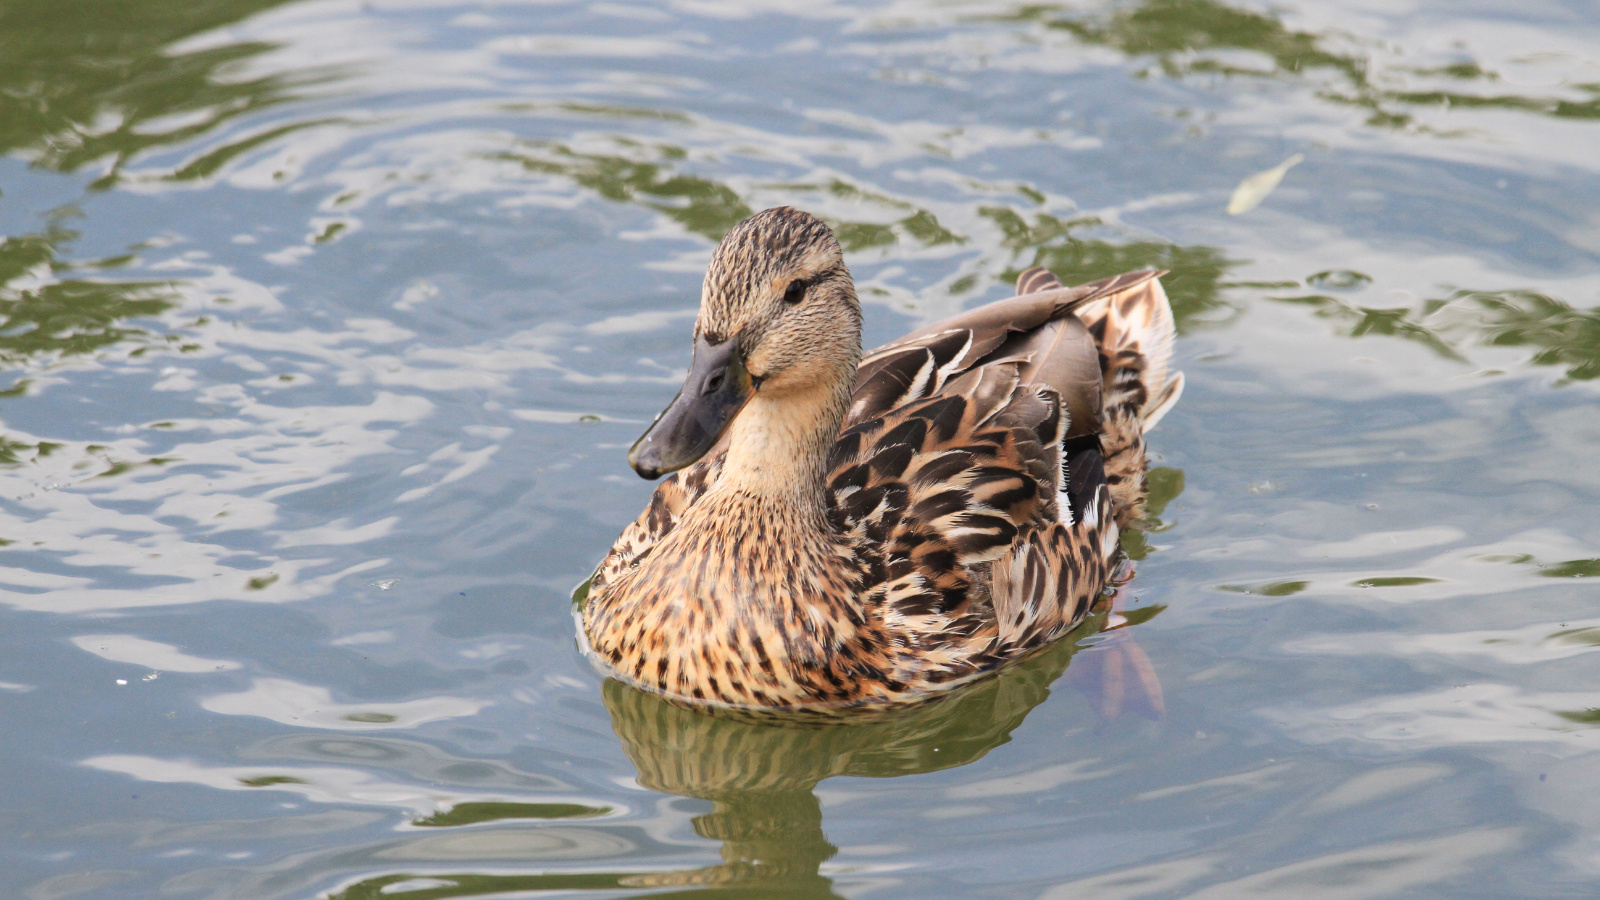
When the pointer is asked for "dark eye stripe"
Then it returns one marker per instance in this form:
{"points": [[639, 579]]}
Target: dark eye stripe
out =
{"points": [[795, 292]]}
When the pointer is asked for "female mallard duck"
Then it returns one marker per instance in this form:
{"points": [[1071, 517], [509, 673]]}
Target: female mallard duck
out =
{"points": [[864, 532]]}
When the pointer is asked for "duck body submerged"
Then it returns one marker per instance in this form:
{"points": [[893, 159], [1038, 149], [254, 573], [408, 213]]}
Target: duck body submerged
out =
{"points": [[845, 531]]}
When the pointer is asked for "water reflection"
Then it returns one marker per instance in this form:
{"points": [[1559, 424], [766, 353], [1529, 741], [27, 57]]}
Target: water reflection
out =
{"points": [[759, 775], [1006, 238], [46, 313], [700, 205], [82, 83], [1204, 37], [1555, 332]]}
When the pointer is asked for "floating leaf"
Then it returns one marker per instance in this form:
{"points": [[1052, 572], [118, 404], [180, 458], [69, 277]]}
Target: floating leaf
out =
{"points": [[1251, 191]]}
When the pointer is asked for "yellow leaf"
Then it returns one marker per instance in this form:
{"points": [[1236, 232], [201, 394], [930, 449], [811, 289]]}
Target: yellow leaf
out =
{"points": [[1251, 191]]}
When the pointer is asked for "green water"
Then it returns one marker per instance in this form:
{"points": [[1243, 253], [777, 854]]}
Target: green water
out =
{"points": [[325, 326]]}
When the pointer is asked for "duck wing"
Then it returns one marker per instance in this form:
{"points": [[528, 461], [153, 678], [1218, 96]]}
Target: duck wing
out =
{"points": [[1035, 325], [970, 474], [929, 494]]}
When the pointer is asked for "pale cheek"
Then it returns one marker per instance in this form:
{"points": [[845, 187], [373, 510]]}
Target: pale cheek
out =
{"points": [[762, 363], [780, 349], [793, 358]]}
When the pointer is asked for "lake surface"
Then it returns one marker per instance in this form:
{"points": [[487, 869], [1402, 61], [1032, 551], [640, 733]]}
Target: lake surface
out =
{"points": [[327, 325]]}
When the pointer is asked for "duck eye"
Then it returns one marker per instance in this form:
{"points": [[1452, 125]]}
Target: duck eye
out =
{"points": [[795, 292]]}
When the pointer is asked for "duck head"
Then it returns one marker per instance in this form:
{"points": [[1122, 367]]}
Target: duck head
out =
{"points": [[779, 319]]}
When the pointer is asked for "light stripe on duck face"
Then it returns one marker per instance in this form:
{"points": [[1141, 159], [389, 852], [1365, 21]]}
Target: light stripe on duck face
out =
{"points": [[866, 532]]}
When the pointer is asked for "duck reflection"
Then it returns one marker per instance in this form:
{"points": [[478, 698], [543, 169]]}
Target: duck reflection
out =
{"points": [[759, 771]]}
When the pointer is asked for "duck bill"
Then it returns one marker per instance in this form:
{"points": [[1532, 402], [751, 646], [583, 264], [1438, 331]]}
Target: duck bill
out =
{"points": [[718, 387]]}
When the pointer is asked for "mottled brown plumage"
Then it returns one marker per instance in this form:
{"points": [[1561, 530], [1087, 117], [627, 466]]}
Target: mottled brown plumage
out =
{"points": [[869, 531]]}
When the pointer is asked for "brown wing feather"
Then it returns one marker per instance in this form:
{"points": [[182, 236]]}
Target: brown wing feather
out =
{"points": [[920, 364], [933, 492], [1024, 312], [1033, 382]]}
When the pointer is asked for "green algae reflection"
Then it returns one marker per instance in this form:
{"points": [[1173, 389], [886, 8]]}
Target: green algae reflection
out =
{"points": [[1194, 283], [655, 176], [45, 316], [1204, 36], [1084, 248], [98, 81], [651, 175], [702, 206], [1556, 333]]}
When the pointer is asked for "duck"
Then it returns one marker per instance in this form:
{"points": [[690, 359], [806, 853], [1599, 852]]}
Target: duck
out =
{"points": [[839, 530]]}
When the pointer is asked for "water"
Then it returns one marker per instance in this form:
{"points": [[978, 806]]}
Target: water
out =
{"points": [[327, 324]]}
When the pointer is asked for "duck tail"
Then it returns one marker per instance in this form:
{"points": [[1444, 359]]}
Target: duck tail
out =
{"points": [[1133, 329]]}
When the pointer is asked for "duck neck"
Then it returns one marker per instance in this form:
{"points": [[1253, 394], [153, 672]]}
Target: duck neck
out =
{"points": [[778, 446]]}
